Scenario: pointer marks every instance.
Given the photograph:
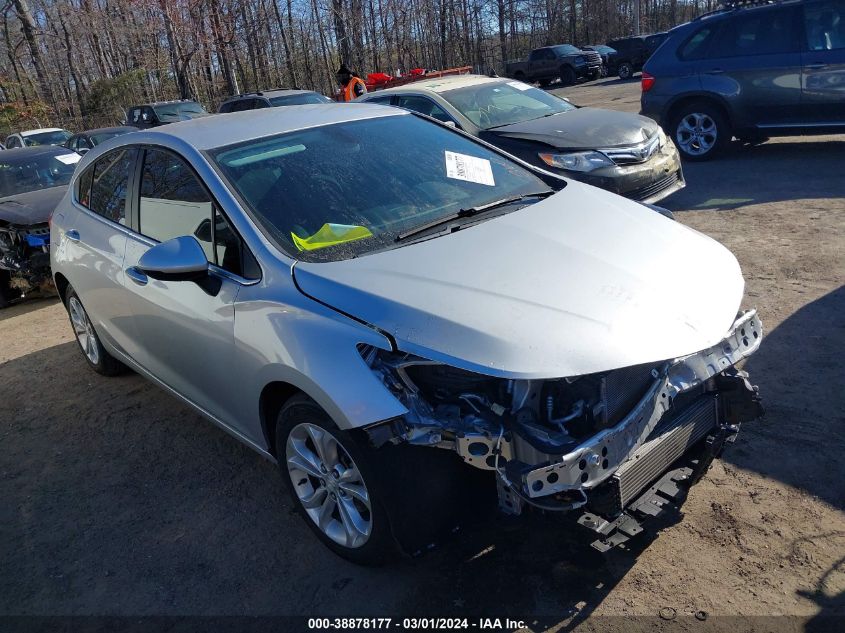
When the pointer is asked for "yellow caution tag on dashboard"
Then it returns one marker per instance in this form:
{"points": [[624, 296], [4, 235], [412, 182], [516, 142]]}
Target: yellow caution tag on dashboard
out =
{"points": [[329, 235]]}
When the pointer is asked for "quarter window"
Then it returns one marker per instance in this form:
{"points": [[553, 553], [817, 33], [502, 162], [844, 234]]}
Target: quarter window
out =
{"points": [[174, 203], [109, 184], [757, 33], [696, 46]]}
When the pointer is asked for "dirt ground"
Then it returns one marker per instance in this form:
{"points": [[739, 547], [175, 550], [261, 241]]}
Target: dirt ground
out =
{"points": [[117, 500]]}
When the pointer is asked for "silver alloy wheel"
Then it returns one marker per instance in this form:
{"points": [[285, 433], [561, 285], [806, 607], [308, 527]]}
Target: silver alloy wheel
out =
{"points": [[329, 485], [84, 331], [696, 133]]}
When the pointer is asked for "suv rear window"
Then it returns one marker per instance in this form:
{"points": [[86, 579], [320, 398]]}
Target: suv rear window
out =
{"points": [[696, 46]]}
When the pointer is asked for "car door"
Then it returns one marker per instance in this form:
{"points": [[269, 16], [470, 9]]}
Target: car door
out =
{"points": [[755, 63], [184, 330], [93, 245], [823, 63]]}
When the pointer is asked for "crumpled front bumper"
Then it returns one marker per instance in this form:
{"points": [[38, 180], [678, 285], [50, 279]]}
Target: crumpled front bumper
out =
{"points": [[596, 459]]}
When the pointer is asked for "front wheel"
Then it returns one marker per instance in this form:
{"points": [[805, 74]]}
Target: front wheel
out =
{"points": [[567, 76], [700, 131], [334, 483]]}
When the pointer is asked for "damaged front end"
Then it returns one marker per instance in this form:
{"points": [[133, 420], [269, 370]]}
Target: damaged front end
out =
{"points": [[597, 440], [24, 260]]}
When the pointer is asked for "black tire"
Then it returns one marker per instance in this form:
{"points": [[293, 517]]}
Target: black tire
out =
{"points": [[544, 82], [99, 360], [6, 294], [412, 489], [703, 144], [567, 75], [625, 70]]}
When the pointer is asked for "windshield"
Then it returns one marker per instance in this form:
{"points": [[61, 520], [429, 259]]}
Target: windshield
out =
{"points": [[495, 104], [29, 173], [566, 49], [601, 48], [179, 109], [300, 99], [46, 138], [338, 191]]}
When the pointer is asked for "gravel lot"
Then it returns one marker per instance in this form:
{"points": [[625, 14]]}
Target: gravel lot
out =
{"points": [[117, 500]]}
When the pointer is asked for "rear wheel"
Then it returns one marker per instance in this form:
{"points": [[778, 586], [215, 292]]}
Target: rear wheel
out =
{"points": [[625, 70], [700, 130], [86, 336], [567, 75]]}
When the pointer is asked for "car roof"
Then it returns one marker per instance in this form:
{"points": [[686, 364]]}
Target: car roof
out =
{"points": [[218, 131], [270, 93], [39, 150], [444, 84], [40, 130], [102, 130]]}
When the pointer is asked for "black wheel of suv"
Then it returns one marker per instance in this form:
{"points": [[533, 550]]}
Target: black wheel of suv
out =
{"points": [[700, 131], [6, 294], [86, 336], [367, 504], [567, 75], [625, 70]]}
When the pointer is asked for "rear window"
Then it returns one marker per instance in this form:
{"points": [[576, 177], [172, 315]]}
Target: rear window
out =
{"points": [[696, 47]]}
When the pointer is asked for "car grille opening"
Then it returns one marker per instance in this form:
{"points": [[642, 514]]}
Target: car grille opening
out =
{"points": [[653, 188]]}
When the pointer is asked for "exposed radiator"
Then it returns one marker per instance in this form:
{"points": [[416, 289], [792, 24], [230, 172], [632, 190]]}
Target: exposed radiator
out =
{"points": [[656, 455], [623, 388]]}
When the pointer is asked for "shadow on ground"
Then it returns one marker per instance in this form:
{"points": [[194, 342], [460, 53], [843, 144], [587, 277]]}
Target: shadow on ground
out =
{"points": [[801, 375], [118, 500], [734, 180]]}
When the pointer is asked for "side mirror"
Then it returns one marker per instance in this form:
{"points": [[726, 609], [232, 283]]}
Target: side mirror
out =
{"points": [[179, 259]]}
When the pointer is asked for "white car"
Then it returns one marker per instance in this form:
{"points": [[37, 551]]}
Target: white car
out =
{"points": [[41, 136]]}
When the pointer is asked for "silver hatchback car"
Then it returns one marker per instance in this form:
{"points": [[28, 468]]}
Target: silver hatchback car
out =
{"points": [[411, 322]]}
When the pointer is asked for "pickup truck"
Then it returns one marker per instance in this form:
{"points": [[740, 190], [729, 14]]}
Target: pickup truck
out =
{"points": [[562, 61]]}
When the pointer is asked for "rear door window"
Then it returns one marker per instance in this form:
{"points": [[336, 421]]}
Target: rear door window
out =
{"points": [[757, 33], [824, 24], [110, 183]]}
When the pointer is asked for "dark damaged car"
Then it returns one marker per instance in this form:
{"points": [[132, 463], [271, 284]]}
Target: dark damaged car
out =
{"points": [[620, 152], [32, 181]]}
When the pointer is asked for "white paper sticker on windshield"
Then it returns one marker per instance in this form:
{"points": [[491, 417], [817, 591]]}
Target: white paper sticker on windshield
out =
{"points": [[518, 85], [68, 159], [469, 168]]}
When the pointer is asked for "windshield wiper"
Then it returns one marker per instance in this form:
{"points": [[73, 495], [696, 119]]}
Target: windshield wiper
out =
{"points": [[469, 212]]}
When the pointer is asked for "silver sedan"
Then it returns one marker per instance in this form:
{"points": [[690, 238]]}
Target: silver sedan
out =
{"points": [[409, 321]]}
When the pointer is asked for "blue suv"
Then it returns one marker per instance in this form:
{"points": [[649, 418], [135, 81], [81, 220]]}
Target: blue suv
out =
{"points": [[751, 71]]}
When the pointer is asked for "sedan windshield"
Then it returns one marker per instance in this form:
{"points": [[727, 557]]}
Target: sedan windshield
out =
{"points": [[29, 173], [347, 189], [495, 104], [100, 137], [46, 138], [299, 99]]}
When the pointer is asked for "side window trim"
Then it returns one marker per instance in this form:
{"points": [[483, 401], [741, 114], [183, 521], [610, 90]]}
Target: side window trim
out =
{"points": [[134, 226]]}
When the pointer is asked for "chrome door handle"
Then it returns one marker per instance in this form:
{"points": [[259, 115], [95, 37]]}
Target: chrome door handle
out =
{"points": [[72, 235], [816, 66], [137, 276]]}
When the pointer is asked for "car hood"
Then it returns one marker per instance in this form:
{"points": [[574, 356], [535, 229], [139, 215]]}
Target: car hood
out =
{"points": [[33, 207], [583, 128], [584, 281]]}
